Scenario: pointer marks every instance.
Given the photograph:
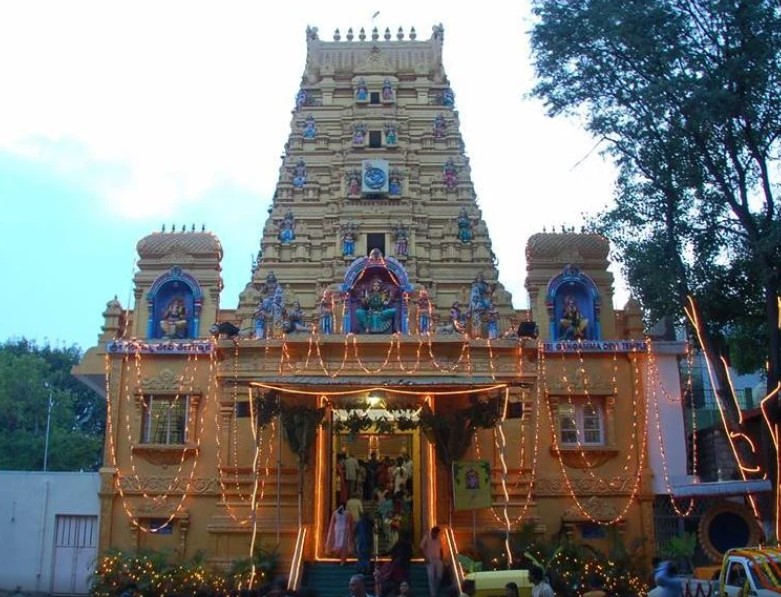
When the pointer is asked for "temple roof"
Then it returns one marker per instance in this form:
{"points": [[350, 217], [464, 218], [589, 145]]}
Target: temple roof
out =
{"points": [[159, 244], [550, 245]]}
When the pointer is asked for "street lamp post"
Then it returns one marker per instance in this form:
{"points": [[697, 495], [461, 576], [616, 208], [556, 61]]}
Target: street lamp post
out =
{"points": [[48, 427]]}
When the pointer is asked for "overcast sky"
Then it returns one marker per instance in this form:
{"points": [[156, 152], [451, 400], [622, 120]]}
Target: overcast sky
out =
{"points": [[118, 117]]}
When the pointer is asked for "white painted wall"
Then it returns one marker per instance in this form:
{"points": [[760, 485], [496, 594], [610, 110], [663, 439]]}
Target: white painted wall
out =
{"points": [[29, 505], [665, 419]]}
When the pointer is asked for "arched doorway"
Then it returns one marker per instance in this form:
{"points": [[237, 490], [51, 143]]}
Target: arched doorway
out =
{"points": [[378, 465]]}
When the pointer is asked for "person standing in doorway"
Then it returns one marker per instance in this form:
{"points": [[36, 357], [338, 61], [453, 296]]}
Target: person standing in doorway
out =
{"points": [[351, 473], [431, 546]]}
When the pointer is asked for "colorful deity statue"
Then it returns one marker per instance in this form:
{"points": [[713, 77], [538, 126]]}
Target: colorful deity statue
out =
{"points": [[302, 99], [391, 136], [361, 91], [440, 126], [465, 233], [447, 98], [287, 228], [353, 178], [293, 319], [424, 311], [401, 238], [387, 91], [299, 173], [450, 174], [480, 294], [310, 127], [492, 321], [259, 319], [173, 322], [269, 312], [572, 325], [375, 315], [457, 321], [359, 134], [277, 311], [349, 231], [326, 312], [394, 182]]}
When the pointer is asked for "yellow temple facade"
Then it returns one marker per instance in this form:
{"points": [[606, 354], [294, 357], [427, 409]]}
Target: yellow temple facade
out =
{"points": [[374, 328]]}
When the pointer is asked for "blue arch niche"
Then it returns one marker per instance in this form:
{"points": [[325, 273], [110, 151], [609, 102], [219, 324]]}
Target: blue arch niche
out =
{"points": [[572, 284], [168, 288], [360, 273]]}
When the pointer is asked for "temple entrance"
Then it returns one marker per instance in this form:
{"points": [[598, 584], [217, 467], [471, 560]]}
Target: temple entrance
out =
{"points": [[376, 472]]}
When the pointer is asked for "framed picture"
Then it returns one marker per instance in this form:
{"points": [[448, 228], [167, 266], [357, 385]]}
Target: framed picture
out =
{"points": [[471, 484]]}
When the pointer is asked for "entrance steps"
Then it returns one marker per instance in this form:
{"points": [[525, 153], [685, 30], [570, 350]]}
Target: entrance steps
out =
{"points": [[330, 579]]}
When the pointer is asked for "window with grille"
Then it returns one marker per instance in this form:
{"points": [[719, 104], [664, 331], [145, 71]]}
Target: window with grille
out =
{"points": [[375, 139], [165, 419], [580, 423]]}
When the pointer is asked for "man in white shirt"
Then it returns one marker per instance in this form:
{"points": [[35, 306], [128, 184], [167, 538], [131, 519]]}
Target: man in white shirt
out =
{"points": [[431, 546], [541, 587]]}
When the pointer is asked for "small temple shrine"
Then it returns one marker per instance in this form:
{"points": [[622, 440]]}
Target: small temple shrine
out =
{"points": [[374, 354]]}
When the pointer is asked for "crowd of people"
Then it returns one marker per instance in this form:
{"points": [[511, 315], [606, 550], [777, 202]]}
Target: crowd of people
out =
{"points": [[385, 483]]}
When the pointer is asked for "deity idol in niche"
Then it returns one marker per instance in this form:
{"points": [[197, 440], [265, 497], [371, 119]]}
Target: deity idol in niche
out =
{"points": [[359, 134], [310, 128], [450, 174], [391, 136], [394, 182], [299, 174], [573, 325], [287, 228], [440, 126], [375, 315], [348, 239], [401, 238], [464, 222], [361, 92], [326, 312], [447, 98], [424, 311], [387, 91], [173, 322], [302, 99], [353, 182]]}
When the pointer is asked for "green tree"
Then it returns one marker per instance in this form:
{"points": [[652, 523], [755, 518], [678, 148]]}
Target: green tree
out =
{"points": [[29, 377], [684, 93]]}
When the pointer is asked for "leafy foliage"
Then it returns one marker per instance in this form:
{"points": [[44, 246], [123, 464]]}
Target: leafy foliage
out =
{"points": [[451, 431], [300, 424], [157, 575], [29, 376], [681, 549], [684, 95]]}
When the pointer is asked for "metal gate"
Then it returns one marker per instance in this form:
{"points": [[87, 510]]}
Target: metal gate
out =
{"points": [[75, 552]]}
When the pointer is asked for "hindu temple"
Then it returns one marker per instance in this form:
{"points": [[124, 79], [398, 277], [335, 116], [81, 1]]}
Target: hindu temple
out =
{"points": [[375, 357]]}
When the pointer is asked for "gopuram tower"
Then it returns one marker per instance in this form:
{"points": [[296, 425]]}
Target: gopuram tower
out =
{"points": [[375, 160], [373, 357]]}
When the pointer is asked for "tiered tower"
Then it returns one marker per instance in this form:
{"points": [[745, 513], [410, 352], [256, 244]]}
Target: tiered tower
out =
{"points": [[366, 102]]}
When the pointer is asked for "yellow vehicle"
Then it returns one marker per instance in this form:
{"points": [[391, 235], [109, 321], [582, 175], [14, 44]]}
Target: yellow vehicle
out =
{"points": [[490, 583], [751, 572]]}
